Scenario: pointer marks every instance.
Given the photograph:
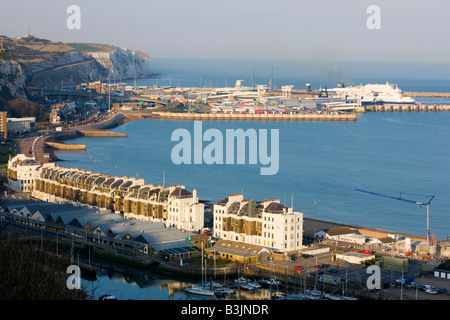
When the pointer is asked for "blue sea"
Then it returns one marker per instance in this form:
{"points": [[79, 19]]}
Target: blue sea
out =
{"points": [[321, 164]]}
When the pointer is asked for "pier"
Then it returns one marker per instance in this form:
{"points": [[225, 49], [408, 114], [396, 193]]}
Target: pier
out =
{"points": [[408, 108], [63, 146]]}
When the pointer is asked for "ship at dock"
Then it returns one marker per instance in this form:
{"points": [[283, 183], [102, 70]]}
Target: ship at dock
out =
{"points": [[373, 94]]}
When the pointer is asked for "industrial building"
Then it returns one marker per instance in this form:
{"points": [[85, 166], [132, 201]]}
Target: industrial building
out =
{"points": [[345, 234], [354, 257], [236, 251], [100, 226], [21, 124]]}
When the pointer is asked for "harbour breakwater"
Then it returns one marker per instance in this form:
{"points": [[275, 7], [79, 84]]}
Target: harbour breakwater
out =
{"points": [[255, 116], [63, 146], [408, 108], [52, 142]]}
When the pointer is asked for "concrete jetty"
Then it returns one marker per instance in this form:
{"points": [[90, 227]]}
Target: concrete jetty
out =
{"points": [[100, 133], [63, 146], [408, 108]]}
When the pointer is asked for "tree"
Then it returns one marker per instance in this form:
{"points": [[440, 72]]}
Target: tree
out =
{"points": [[28, 273]]}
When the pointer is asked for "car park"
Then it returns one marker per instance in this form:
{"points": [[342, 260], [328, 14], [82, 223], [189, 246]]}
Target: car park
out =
{"points": [[431, 291], [413, 285], [333, 270]]}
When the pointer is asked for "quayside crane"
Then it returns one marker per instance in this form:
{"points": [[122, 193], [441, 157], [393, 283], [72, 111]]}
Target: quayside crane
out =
{"points": [[420, 203]]}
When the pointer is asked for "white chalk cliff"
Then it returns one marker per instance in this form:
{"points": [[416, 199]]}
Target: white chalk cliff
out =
{"points": [[12, 81], [123, 63]]}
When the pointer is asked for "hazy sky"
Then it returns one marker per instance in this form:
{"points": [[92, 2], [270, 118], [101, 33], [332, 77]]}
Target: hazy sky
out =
{"points": [[249, 29]]}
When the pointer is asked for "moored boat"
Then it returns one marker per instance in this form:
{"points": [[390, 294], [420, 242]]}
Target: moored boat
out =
{"points": [[199, 290], [224, 291], [241, 280], [270, 282]]}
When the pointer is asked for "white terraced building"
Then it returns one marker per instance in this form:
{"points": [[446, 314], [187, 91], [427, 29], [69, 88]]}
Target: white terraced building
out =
{"points": [[22, 171], [174, 206], [268, 223]]}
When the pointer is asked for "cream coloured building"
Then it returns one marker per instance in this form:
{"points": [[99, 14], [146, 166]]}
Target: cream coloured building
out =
{"points": [[268, 223], [22, 171]]}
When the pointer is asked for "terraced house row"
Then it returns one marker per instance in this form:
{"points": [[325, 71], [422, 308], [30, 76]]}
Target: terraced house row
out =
{"points": [[174, 206]]}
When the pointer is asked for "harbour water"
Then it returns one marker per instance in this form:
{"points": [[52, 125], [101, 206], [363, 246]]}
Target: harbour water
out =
{"points": [[159, 287], [128, 283], [320, 166]]}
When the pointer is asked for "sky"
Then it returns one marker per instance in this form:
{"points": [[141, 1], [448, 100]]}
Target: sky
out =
{"points": [[412, 31]]}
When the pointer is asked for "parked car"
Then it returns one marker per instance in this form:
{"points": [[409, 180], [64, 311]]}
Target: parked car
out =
{"points": [[431, 291], [333, 270], [306, 256], [366, 252], [298, 267], [442, 290], [427, 287], [325, 265], [319, 266]]}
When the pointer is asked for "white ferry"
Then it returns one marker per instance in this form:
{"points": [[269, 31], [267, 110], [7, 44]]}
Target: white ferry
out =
{"points": [[373, 94]]}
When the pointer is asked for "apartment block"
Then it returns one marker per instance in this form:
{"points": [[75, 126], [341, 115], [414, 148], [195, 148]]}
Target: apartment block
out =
{"points": [[175, 206], [268, 223]]}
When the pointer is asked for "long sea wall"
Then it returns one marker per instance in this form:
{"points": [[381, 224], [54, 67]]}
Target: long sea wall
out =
{"points": [[408, 108], [254, 117]]}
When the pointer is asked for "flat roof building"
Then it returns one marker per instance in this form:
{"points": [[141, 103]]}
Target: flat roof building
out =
{"points": [[21, 124], [268, 223]]}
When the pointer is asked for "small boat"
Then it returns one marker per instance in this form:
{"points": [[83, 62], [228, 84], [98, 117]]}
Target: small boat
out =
{"points": [[241, 280], [246, 286], [255, 285], [224, 291], [202, 289], [270, 282], [313, 294], [107, 297], [328, 296], [199, 290]]}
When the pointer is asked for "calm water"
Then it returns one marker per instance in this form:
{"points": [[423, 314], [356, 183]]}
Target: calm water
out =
{"points": [[321, 165], [126, 287]]}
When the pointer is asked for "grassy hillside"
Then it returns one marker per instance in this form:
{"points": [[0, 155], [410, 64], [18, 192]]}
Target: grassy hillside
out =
{"points": [[90, 47]]}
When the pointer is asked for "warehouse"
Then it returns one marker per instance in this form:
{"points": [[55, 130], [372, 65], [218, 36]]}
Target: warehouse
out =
{"points": [[238, 251]]}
